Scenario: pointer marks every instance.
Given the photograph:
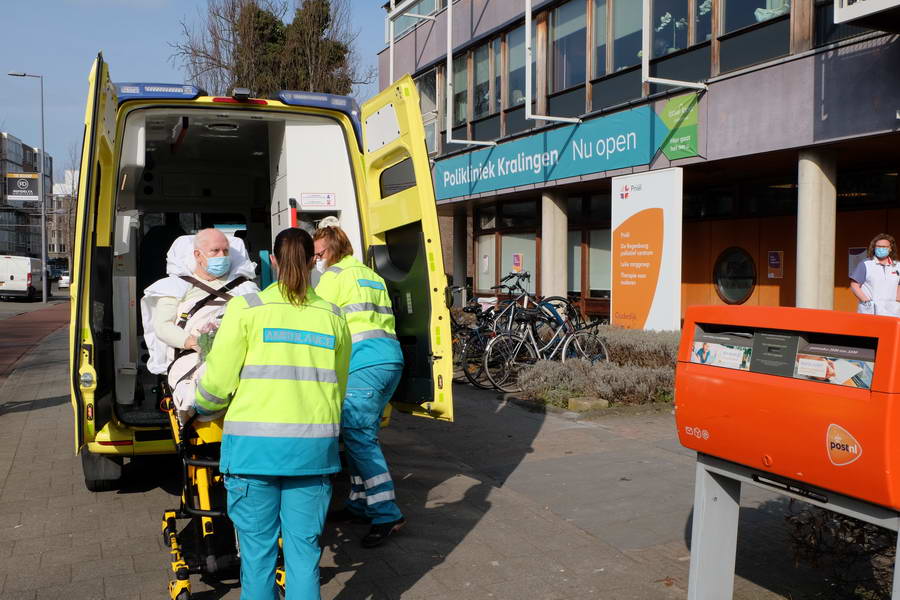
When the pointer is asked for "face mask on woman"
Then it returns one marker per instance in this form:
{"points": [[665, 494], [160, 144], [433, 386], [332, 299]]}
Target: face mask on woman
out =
{"points": [[218, 265], [320, 265], [882, 252]]}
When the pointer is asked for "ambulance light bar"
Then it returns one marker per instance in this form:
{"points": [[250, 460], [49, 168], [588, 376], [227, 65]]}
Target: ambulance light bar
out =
{"points": [[157, 91]]}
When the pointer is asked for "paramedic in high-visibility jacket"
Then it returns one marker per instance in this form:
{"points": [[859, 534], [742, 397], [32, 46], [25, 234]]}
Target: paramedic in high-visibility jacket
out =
{"points": [[279, 367], [376, 364]]}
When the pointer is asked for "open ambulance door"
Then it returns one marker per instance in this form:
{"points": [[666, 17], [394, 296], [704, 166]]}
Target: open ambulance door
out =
{"points": [[90, 334], [400, 228]]}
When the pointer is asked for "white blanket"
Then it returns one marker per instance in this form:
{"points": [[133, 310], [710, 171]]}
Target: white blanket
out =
{"points": [[180, 262]]}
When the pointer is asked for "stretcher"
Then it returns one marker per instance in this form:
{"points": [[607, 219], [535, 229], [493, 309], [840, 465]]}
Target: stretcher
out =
{"points": [[207, 544]]}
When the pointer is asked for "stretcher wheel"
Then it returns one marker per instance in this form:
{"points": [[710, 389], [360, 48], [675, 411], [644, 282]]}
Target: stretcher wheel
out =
{"points": [[185, 595]]}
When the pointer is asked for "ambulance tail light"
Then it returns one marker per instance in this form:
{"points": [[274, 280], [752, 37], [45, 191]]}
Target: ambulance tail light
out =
{"points": [[28, 279], [116, 443]]}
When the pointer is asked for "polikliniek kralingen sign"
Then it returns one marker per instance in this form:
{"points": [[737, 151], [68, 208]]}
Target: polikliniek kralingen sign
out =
{"points": [[624, 139]]}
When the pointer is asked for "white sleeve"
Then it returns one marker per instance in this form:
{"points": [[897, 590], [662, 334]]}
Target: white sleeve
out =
{"points": [[164, 322]]}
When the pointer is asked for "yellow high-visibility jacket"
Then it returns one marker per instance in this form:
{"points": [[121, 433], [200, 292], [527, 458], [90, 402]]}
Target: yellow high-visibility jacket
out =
{"points": [[281, 371], [362, 295]]}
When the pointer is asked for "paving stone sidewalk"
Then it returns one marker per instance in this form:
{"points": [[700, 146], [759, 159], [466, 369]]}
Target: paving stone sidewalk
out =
{"points": [[504, 503]]}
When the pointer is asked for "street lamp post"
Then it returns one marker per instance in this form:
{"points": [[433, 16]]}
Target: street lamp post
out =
{"points": [[41, 190]]}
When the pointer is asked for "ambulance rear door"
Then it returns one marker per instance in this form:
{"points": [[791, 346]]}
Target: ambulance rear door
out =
{"points": [[91, 335], [400, 227]]}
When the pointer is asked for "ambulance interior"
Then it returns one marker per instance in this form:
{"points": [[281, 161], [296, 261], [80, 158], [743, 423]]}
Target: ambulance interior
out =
{"points": [[182, 170]]}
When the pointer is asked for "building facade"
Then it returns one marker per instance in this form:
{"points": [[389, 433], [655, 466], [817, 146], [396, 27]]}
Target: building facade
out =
{"points": [[789, 156], [20, 221]]}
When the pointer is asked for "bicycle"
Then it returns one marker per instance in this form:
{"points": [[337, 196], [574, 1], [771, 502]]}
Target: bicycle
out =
{"points": [[510, 352], [472, 359]]}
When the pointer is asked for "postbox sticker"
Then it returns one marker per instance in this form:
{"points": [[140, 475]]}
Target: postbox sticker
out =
{"points": [[843, 448]]}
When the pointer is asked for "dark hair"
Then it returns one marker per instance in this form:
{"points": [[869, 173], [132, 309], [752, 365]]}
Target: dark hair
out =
{"points": [[878, 238], [293, 249], [337, 242]]}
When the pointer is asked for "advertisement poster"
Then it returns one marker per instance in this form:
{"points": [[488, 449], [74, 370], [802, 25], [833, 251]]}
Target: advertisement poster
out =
{"points": [[22, 186], [837, 364], [730, 350], [776, 264], [518, 262], [646, 250], [855, 256]]}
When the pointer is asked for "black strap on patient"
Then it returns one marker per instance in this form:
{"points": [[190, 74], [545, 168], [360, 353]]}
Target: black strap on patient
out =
{"points": [[211, 299], [215, 297]]}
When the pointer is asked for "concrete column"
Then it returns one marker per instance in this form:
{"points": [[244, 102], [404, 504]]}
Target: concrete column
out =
{"points": [[816, 217], [460, 256], [554, 239]]}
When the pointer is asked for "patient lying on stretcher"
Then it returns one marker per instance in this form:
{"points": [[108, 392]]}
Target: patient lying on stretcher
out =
{"points": [[183, 310]]}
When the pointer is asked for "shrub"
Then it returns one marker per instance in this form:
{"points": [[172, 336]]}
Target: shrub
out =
{"points": [[555, 382], [637, 348]]}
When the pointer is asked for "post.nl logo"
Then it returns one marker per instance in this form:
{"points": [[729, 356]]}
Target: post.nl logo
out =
{"points": [[842, 447]]}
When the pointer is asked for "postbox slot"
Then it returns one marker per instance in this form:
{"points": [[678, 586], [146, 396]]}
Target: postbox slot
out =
{"points": [[811, 356]]}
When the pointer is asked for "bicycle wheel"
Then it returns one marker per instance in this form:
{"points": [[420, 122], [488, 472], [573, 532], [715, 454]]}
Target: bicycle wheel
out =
{"points": [[585, 345], [472, 361], [460, 337], [505, 357]]}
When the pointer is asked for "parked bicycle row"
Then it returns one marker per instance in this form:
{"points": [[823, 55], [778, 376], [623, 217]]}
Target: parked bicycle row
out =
{"points": [[512, 334]]}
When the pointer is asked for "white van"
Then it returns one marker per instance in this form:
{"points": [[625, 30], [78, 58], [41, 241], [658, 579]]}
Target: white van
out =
{"points": [[20, 276]]}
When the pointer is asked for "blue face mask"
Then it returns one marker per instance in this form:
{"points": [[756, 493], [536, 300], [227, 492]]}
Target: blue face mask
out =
{"points": [[218, 265], [882, 252]]}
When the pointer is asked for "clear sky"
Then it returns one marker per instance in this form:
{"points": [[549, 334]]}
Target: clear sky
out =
{"points": [[60, 38]]}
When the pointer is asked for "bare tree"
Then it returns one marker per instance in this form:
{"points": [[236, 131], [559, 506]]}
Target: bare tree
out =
{"points": [[248, 43]]}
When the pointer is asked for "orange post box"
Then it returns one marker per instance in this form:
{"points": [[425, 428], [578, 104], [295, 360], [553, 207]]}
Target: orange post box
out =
{"points": [[811, 396]]}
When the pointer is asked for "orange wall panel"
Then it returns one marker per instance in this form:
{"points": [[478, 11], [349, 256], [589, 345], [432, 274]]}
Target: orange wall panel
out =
{"points": [[777, 233], [696, 265]]}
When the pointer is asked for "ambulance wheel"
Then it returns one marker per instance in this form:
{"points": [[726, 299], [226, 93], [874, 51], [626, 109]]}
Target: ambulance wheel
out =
{"points": [[101, 473]]}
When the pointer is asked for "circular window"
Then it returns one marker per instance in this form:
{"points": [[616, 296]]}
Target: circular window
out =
{"points": [[734, 275]]}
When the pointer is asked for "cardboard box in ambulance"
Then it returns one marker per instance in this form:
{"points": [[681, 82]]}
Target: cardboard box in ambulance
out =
{"points": [[20, 277], [164, 160]]}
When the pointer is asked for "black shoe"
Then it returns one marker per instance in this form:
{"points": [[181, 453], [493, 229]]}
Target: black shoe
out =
{"points": [[380, 532], [345, 515]]}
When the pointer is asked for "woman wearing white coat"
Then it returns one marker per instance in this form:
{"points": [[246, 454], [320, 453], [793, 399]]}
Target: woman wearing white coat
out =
{"points": [[876, 282]]}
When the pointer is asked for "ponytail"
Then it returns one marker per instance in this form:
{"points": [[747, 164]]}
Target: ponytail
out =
{"points": [[293, 249]]}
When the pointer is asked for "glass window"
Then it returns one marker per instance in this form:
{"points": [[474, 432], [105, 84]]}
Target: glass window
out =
{"points": [[575, 209], [481, 98], [601, 207], [522, 244], [734, 275], [427, 86], [599, 261], [423, 7], [742, 13], [498, 72], [627, 27], [519, 214], [487, 217], [670, 26], [599, 38], [568, 31], [827, 30], [515, 41], [703, 30], [460, 90], [574, 262], [484, 256]]}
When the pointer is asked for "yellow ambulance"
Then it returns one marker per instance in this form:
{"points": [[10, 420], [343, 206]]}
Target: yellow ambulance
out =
{"points": [[163, 160]]}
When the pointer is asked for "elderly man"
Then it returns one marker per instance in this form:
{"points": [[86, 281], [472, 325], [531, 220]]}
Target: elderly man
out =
{"points": [[205, 270]]}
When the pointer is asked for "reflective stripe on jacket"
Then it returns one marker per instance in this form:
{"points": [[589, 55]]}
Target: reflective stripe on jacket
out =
{"points": [[362, 295], [281, 371]]}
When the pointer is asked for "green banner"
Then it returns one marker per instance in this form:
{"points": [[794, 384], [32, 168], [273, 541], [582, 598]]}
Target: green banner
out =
{"points": [[680, 115]]}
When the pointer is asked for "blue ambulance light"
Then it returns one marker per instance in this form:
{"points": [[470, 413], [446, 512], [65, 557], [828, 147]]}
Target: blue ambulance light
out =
{"points": [[157, 91], [343, 104]]}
